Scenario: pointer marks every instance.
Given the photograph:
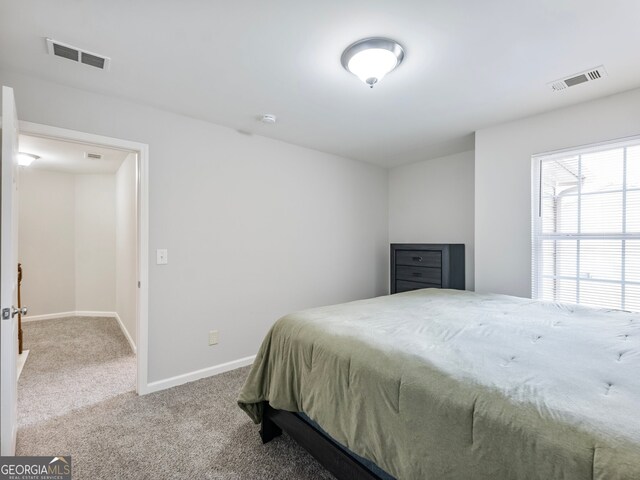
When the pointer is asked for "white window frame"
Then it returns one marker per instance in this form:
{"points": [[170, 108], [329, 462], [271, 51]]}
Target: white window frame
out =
{"points": [[537, 236]]}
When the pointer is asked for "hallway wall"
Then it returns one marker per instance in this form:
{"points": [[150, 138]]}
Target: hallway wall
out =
{"points": [[126, 241], [46, 244], [66, 241], [95, 227]]}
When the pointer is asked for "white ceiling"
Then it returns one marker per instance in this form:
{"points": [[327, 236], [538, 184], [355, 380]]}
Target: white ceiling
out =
{"points": [[69, 157], [468, 64]]}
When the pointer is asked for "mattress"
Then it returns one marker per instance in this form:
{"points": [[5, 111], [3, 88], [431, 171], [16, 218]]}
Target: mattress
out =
{"points": [[447, 384]]}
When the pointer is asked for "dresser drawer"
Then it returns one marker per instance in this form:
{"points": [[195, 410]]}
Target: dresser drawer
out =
{"points": [[423, 265], [419, 258], [419, 274], [404, 286]]}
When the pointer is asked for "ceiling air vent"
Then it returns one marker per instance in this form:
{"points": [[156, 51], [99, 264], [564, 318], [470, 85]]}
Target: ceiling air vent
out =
{"points": [[76, 54], [582, 77], [95, 156]]}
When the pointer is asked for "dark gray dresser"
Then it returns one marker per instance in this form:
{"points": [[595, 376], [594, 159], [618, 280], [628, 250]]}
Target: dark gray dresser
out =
{"points": [[424, 265]]}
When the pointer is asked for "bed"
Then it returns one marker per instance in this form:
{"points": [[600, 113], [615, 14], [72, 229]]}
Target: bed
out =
{"points": [[447, 384]]}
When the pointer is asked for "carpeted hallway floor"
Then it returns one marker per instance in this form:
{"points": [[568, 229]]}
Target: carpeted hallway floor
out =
{"points": [[77, 397]]}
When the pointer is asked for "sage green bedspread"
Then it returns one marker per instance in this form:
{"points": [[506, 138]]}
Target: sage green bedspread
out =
{"points": [[444, 384]]}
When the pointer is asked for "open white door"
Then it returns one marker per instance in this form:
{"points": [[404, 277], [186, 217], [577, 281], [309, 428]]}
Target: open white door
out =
{"points": [[8, 275]]}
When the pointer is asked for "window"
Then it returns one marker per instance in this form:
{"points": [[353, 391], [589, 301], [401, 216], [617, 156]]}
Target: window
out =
{"points": [[586, 226]]}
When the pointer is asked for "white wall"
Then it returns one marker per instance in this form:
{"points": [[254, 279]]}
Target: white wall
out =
{"points": [[66, 241], [126, 241], [503, 181], [432, 202], [255, 228], [95, 243], [46, 239]]}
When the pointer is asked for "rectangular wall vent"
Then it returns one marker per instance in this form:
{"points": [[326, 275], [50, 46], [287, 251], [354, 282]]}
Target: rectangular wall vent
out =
{"points": [[76, 54], [582, 77], [95, 156]]}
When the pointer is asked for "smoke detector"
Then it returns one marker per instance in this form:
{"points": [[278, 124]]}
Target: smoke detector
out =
{"points": [[268, 118], [78, 55], [93, 156], [578, 78]]}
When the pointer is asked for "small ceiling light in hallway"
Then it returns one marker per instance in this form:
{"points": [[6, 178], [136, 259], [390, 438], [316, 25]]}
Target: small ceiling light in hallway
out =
{"points": [[26, 159]]}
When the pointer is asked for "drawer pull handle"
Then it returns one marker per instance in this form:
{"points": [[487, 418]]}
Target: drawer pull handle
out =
{"points": [[416, 274], [417, 259]]}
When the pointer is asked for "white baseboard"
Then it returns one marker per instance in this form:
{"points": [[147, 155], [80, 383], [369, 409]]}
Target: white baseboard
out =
{"points": [[48, 316], [80, 313], [125, 333], [199, 374], [89, 313]]}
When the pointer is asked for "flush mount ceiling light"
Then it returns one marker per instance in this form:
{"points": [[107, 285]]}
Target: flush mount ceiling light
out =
{"points": [[26, 159], [370, 59]]}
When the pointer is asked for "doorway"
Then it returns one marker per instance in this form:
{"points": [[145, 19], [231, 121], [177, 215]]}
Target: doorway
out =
{"points": [[134, 159], [77, 253]]}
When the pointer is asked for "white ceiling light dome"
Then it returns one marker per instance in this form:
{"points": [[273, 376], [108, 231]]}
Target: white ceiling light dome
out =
{"points": [[370, 59]]}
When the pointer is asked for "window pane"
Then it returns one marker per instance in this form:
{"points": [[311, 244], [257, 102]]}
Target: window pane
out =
{"points": [[601, 213], [633, 167], [559, 178], [567, 258], [547, 259], [567, 214], [559, 258], [558, 290], [560, 214], [559, 175], [632, 298], [548, 215], [632, 263], [566, 291], [633, 212], [601, 259], [602, 171], [598, 294], [547, 290]]}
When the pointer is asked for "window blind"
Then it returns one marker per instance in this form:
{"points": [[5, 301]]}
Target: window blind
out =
{"points": [[586, 226]]}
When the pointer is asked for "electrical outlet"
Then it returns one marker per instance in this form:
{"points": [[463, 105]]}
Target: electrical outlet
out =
{"points": [[213, 337]]}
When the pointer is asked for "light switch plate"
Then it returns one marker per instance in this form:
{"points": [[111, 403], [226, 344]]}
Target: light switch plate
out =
{"points": [[162, 257], [213, 337]]}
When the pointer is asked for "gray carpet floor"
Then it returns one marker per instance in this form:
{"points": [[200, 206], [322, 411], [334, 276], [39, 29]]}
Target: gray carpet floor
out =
{"points": [[76, 396]]}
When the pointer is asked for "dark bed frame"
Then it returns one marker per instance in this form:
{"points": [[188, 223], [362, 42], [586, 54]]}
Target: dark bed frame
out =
{"points": [[324, 449]]}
